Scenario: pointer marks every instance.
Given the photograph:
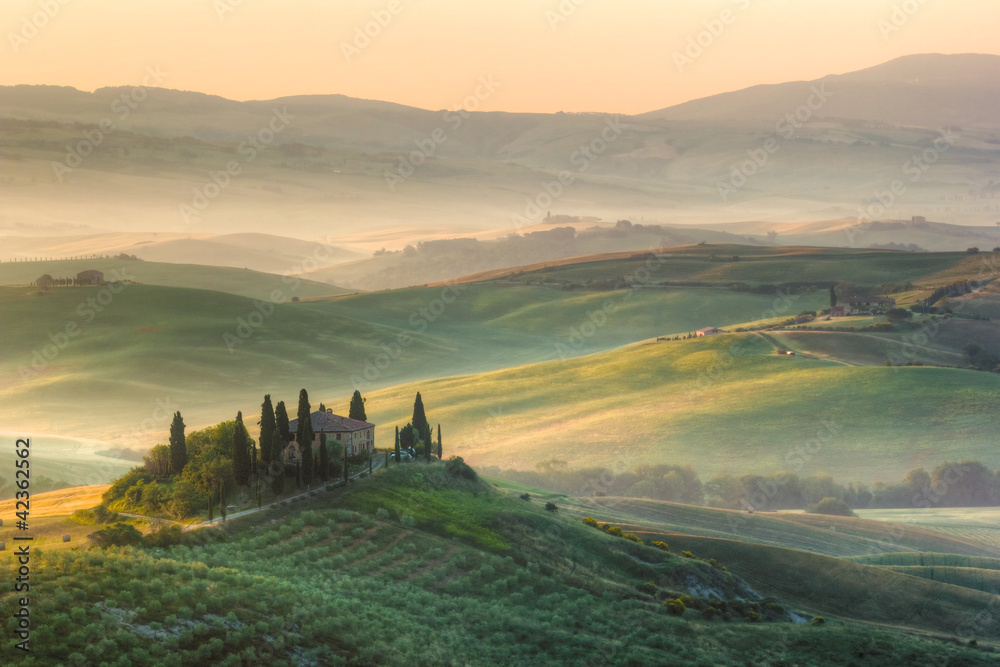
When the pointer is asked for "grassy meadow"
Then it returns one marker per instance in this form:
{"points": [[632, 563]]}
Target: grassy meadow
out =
{"points": [[465, 573], [771, 265], [161, 349], [691, 401]]}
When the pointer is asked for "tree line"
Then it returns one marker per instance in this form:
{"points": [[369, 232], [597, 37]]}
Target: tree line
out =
{"points": [[949, 484]]}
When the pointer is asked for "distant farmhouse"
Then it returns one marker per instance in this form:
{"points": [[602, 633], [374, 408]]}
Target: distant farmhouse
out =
{"points": [[90, 277], [357, 436], [709, 331], [863, 305]]}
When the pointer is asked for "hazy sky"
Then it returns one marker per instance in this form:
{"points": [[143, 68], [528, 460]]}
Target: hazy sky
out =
{"points": [[625, 56]]}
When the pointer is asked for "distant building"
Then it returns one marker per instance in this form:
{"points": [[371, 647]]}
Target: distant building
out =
{"points": [[90, 277], [872, 301], [708, 331], [860, 305], [918, 220], [357, 436]]}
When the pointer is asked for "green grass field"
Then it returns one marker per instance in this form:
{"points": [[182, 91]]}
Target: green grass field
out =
{"points": [[353, 576], [773, 265], [726, 404], [161, 349], [241, 282]]}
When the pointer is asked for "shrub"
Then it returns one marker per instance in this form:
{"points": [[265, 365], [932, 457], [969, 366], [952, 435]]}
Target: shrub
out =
{"points": [[119, 534], [663, 546], [753, 616], [382, 514], [164, 536], [457, 467], [675, 607], [818, 620], [551, 507], [591, 522], [632, 537], [687, 554], [525, 496], [831, 506]]}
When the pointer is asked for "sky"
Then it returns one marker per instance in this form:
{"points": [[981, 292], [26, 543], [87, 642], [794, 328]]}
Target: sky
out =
{"points": [[620, 56]]}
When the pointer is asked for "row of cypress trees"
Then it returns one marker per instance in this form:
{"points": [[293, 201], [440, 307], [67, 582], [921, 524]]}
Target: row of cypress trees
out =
{"points": [[418, 430]]}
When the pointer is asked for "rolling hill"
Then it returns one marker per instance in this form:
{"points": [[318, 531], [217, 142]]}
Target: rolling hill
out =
{"points": [[328, 579], [204, 352], [239, 282]]}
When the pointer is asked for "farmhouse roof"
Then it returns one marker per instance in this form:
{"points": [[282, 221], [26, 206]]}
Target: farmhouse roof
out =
{"points": [[327, 422]]}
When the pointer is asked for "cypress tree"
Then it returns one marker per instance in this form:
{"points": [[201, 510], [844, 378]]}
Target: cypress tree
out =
{"points": [[439, 443], [833, 297], [397, 444], [420, 420], [281, 421], [268, 428], [178, 449], [324, 458], [357, 407], [305, 437], [241, 453]]}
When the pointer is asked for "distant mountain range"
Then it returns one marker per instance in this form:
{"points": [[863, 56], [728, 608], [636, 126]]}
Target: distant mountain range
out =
{"points": [[368, 169]]}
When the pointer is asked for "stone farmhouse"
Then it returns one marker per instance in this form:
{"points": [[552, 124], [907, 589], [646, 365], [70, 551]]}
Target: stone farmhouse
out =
{"points": [[357, 436]]}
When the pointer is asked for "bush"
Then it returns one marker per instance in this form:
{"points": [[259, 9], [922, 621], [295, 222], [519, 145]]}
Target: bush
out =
{"points": [[457, 467], [590, 521], [663, 546], [675, 607], [119, 535], [831, 506], [551, 507], [818, 620], [164, 536], [898, 314], [98, 515]]}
